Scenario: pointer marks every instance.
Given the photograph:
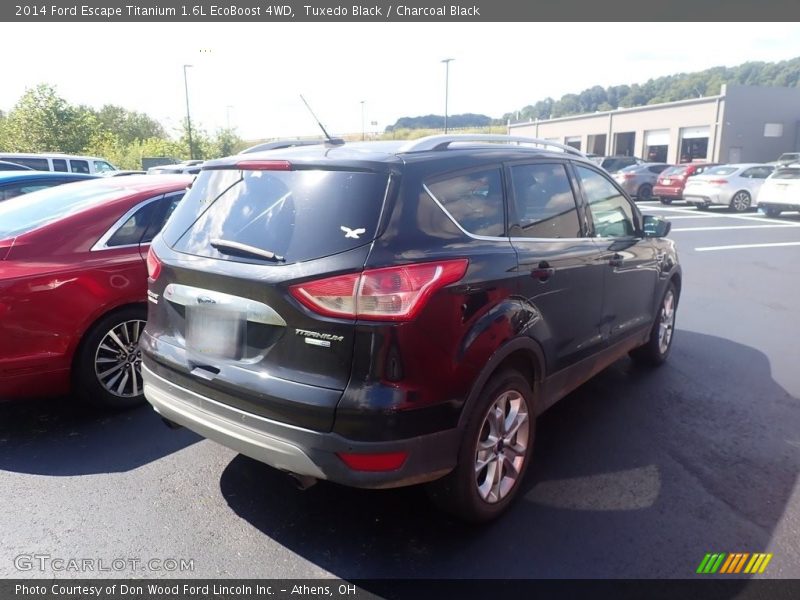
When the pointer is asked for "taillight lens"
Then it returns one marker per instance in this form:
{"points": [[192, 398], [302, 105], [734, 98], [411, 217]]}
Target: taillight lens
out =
{"points": [[387, 461], [388, 294], [153, 265], [718, 181]]}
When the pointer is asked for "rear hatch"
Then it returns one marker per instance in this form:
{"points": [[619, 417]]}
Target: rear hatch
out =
{"points": [[783, 187], [223, 321]]}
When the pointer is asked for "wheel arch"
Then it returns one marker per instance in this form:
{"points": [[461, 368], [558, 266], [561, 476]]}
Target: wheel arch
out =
{"points": [[78, 346]]}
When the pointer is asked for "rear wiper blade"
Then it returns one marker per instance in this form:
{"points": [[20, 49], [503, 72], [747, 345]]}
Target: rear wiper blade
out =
{"points": [[223, 245]]}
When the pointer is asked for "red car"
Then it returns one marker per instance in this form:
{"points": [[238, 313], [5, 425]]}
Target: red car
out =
{"points": [[73, 286], [670, 183]]}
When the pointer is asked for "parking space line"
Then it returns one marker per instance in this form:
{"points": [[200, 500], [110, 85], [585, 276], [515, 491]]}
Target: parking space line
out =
{"points": [[744, 246], [758, 219], [691, 217], [723, 227]]}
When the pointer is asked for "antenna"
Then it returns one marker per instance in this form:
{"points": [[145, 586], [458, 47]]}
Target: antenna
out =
{"points": [[332, 141]]}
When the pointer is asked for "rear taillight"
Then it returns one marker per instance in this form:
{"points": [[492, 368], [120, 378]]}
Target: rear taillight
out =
{"points": [[153, 265], [717, 181], [388, 294], [628, 175], [385, 461]]}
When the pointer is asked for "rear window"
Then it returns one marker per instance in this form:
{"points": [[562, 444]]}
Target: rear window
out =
{"points": [[674, 171], [786, 174], [38, 164], [25, 213], [723, 170], [297, 215]]}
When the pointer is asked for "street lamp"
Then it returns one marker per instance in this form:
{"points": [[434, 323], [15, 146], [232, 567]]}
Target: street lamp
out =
{"points": [[446, 62], [363, 135], [188, 117]]}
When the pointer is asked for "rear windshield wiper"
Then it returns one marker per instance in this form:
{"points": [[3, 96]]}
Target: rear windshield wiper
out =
{"points": [[226, 247]]}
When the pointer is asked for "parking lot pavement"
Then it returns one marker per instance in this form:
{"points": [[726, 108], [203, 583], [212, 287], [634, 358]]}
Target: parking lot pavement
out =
{"points": [[638, 473]]}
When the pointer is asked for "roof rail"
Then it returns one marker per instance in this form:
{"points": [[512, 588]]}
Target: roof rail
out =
{"points": [[442, 142]]}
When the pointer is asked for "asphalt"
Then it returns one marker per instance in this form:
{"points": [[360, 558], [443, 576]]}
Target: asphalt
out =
{"points": [[637, 474]]}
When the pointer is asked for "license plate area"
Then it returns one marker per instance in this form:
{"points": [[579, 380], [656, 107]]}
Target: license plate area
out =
{"points": [[217, 331]]}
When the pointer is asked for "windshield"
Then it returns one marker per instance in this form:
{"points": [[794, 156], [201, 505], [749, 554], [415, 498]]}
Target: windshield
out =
{"points": [[28, 212], [674, 171]]}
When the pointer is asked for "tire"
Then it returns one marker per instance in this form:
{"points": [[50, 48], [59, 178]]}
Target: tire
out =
{"points": [[112, 343], [772, 211], [740, 202], [656, 351], [666, 201], [645, 192], [473, 494], [702, 206]]}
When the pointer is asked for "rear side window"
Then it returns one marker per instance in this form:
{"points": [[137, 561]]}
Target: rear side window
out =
{"points": [[674, 171], [722, 170], [757, 172], [37, 164], [657, 169], [59, 164], [544, 201], [79, 166], [298, 215], [474, 200], [132, 231]]}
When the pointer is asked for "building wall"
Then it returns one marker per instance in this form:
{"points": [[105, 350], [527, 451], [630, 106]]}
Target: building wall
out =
{"points": [[748, 109], [735, 120]]}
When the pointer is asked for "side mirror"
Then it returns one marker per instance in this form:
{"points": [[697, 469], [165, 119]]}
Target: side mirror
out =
{"points": [[656, 226]]}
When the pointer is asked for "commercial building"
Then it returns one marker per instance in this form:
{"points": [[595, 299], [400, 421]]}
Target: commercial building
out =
{"points": [[741, 124]]}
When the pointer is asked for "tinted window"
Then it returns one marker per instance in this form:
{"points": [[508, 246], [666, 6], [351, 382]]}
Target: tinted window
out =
{"points": [[475, 200], [79, 166], [657, 168], [757, 172], [59, 164], [132, 231], [166, 208], [26, 213], [544, 201], [299, 215], [611, 212], [38, 164], [674, 171]]}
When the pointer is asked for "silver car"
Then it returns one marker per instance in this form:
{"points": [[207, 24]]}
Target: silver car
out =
{"points": [[735, 186], [638, 180]]}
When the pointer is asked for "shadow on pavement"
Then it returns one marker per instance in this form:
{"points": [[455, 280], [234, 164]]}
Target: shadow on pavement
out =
{"points": [[637, 474], [60, 436]]}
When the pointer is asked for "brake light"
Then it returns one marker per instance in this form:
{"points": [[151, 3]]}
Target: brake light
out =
{"points": [[718, 181], [388, 294], [386, 461], [264, 165], [153, 265]]}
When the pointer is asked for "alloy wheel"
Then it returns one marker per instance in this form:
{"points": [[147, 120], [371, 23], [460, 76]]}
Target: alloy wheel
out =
{"points": [[118, 359], [502, 446], [666, 322]]}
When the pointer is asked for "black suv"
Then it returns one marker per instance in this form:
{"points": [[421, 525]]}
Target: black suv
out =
{"points": [[387, 314]]}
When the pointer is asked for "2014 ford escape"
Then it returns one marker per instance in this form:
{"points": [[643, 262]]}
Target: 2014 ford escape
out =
{"points": [[388, 314]]}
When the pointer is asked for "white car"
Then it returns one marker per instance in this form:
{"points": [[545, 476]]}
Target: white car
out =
{"points": [[781, 191], [735, 186]]}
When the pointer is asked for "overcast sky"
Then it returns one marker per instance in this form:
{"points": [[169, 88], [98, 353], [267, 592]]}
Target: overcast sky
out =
{"points": [[253, 74]]}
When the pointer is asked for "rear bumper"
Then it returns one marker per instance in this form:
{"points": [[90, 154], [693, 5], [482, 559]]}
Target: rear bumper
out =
{"points": [[295, 449], [668, 191], [702, 198]]}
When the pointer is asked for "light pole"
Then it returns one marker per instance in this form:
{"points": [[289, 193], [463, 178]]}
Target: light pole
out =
{"points": [[363, 134], [446, 62], [188, 117]]}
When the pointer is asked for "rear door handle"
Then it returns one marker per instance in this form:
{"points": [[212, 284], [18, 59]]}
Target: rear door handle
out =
{"points": [[543, 272]]}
